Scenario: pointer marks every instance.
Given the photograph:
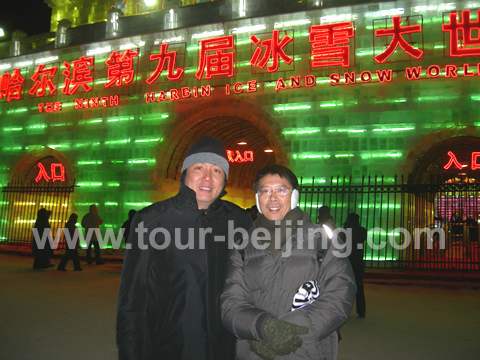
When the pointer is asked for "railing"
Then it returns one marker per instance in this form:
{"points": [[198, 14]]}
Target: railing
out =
{"points": [[21, 201], [405, 222]]}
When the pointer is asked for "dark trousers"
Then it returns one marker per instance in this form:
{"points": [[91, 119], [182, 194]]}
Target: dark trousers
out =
{"points": [[97, 252], [360, 297], [70, 254]]}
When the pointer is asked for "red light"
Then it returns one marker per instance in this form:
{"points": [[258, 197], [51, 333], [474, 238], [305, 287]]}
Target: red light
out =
{"points": [[397, 39], [462, 43]]}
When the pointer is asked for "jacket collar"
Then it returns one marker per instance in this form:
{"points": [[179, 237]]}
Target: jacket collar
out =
{"points": [[189, 198]]}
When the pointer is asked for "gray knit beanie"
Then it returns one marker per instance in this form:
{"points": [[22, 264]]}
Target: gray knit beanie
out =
{"points": [[207, 150]]}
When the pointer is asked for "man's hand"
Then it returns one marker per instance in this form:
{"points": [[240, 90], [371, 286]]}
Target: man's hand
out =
{"points": [[262, 349], [282, 336]]}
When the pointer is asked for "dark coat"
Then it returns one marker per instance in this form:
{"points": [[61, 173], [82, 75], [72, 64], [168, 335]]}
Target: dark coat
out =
{"points": [[260, 285], [168, 305], [42, 256]]}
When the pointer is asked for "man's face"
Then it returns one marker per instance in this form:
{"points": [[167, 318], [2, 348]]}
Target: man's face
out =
{"points": [[275, 206], [207, 181]]}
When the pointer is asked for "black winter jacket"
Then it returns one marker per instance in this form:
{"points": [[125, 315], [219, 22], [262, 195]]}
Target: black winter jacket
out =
{"points": [[168, 304]]}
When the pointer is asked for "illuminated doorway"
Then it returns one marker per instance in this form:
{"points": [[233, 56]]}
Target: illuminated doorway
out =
{"points": [[40, 180], [446, 189]]}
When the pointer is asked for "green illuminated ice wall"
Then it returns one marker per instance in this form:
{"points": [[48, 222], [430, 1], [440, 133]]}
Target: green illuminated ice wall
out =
{"points": [[348, 122]]}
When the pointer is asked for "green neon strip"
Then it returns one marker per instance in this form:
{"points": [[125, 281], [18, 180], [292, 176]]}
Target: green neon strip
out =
{"points": [[113, 184], [138, 204], [90, 184], [19, 110], [311, 156], [292, 107], [111, 204], [92, 162], [395, 129], [13, 129], [147, 140], [301, 132]]}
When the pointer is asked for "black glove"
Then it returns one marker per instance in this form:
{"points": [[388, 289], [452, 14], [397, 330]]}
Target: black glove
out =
{"points": [[262, 349], [282, 336]]}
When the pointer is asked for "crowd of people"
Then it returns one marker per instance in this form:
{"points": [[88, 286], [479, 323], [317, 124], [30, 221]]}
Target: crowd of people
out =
{"points": [[278, 290]]}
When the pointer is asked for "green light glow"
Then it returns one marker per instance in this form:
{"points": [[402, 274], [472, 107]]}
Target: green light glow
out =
{"points": [[311, 156], [147, 140], [111, 204], [113, 184], [13, 129], [331, 104], [292, 107], [19, 110], [141, 161], [309, 182], [395, 129], [112, 142], [366, 156], [138, 204], [344, 155], [90, 184], [369, 258], [91, 162], [301, 132], [340, 130]]}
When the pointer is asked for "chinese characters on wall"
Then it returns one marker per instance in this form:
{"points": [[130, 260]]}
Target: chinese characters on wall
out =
{"points": [[332, 46]]}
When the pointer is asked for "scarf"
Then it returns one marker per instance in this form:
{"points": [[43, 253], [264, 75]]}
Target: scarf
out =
{"points": [[270, 225]]}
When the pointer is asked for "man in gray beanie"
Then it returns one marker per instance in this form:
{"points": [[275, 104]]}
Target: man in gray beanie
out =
{"points": [[174, 272]]}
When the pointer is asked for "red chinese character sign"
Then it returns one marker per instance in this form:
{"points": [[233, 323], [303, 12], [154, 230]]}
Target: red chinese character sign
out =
{"points": [[332, 46], [237, 156], [57, 172], [452, 162], [11, 85], [271, 54], [461, 29], [169, 63], [216, 58], [404, 33], [78, 75], [120, 68], [44, 80]]}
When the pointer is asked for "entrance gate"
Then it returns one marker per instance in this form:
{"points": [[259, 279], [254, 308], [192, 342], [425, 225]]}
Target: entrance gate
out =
{"points": [[21, 201], [405, 222]]}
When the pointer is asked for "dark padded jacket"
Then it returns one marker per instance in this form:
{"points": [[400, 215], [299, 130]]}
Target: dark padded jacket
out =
{"points": [[259, 286], [169, 297]]}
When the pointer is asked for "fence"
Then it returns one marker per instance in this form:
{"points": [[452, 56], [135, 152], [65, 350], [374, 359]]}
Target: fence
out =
{"points": [[21, 201], [405, 222]]}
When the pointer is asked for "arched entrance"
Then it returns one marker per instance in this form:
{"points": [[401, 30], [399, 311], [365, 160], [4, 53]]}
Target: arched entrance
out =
{"points": [[227, 120], [41, 179], [445, 182]]}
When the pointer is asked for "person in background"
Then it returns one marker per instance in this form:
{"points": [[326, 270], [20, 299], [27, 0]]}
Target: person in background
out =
{"points": [[359, 236], [42, 227], [321, 213], [286, 292], [71, 239], [126, 225], [168, 302], [92, 221]]}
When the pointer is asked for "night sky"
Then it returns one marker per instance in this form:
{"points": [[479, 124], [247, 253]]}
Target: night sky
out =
{"points": [[31, 16]]}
